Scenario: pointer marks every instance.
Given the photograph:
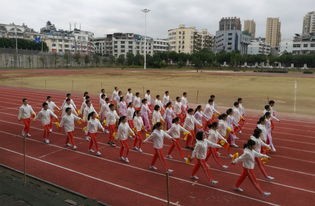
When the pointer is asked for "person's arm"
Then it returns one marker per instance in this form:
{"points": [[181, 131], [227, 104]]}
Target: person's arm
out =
{"points": [[20, 113], [264, 144], [182, 129], [100, 126], [259, 155], [32, 111], [53, 114], [152, 135], [241, 158], [221, 137], [196, 121], [130, 130], [211, 144], [62, 121]]}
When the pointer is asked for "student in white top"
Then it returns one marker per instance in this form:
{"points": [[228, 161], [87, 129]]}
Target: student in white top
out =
{"points": [[129, 96], [66, 105], [111, 122], [269, 131], [87, 110], [102, 99], [123, 132], [104, 109], [25, 114], [101, 94], [240, 106], [199, 115], [92, 128], [272, 111], [115, 95], [68, 123], [137, 101], [51, 105], [237, 117], [248, 160], [231, 127], [256, 137], [140, 131], [158, 101], [166, 98], [122, 107], [68, 96], [83, 105], [214, 136], [189, 124], [200, 153], [85, 94], [148, 97], [184, 101], [213, 104], [157, 136], [208, 113], [178, 109], [223, 125], [169, 115], [261, 124], [157, 116], [45, 116], [145, 113], [130, 114], [175, 131]]}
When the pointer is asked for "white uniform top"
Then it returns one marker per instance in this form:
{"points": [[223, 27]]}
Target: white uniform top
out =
{"points": [[268, 127], [157, 136], [248, 158], [122, 108], [25, 112], [138, 123], [100, 96], [236, 114], [102, 101], [130, 113], [178, 108], [87, 110], [115, 95], [175, 130], [65, 106], [137, 102], [214, 136], [104, 109], [190, 122], [67, 122], [222, 127], [145, 110], [198, 115], [166, 99], [148, 98], [258, 143], [111, 117], [169, 113], [184, 102], [129, 97], [158, 102], [44, 116], [273, 114], [241, 109], [208, 112], [214, 109], [71, 102], [264, 131], [123, 131], [51, 105], [231, 121], [201, 148], [156, 117], [83, 105], [94, 125]]}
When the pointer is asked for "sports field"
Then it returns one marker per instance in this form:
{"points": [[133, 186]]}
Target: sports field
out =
{"points": [[255, 88]]}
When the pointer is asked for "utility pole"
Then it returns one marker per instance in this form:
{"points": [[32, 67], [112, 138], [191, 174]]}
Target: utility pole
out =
{"points": [[145, 11]]}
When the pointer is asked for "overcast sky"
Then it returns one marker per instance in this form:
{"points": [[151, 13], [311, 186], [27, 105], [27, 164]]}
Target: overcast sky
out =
{"points": [[107, 16]]}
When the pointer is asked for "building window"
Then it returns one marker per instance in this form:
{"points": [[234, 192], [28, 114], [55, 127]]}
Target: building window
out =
{"points": [[305, 45]]}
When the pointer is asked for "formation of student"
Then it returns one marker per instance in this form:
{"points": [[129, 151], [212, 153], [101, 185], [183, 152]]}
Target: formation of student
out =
{"points": [[132, 121]]}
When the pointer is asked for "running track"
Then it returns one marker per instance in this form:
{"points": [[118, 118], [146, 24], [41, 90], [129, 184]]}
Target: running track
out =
{"points": [[108, 180]]}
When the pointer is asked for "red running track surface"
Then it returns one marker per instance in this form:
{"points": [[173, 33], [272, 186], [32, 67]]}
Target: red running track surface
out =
{"points": [[109, 180]]}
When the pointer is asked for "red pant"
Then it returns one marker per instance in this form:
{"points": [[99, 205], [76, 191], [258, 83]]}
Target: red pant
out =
{"points": [[190, 138], [131, 125], [159, 154], [261, 166], [175, 143], [138, 139], [46, 131], [27, 125], [93, 141], [213, 152], [250, 173], [112, 130], [124, 147], [70, 138], [202, 163]]}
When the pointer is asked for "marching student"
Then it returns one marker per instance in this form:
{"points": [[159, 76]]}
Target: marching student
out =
{"points": [[137, 101], [45, 116], [85, 94], [272, 111], [157, 136], [140, 131], [232, 124], [223, 125], [101, 94], [156, 115], [129, 96], [214, 136], [68, 96], [130, 114], [208, 113], [200, 153], [189, 124], [158, 101], [102, 99], [114, 95], [178, 109], [123, 133], [199, 115], [66, 105], [104, 109], [92, 127], [169, 115], [261, 124], [248, 159], [175, 132], [122, 107], [87, 110], [240, 106], [166, 98], [213, 107], [111, 121], [269, 131], [256, 137], [67, 122], [83, 105], [145, 113], [25, 113], [51, 105], [237, 117], [184, 101], [147, 96]]}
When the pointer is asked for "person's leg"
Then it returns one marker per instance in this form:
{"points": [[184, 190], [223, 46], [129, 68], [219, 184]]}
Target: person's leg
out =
{"points": [[241, 178], [95, 142], [215, 156], [253, 179], [162, 159], [206, 170], [179, 148], [155, 156], [171, 148], [209, 153], [261, 167], [196, 168], [71, 138], [121, 152]]}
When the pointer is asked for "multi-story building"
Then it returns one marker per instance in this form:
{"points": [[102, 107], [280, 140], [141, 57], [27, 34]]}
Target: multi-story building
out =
{"points": [[19, 31], [230, 23], [286, 46], [309, 23], [100, 45], [273, 32], [207, 39], [250, 27], [258, 46], [160, 45], [304, 44]]}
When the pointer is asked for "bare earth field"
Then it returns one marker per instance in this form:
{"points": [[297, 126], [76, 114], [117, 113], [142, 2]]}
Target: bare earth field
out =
{"points": [[255, 88]]}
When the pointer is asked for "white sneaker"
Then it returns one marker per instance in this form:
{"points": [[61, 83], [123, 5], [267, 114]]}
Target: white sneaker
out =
{"points": [[135, 149], [75, 147], [87, 138], [194, 177], [140, 150], [240, 132], [170, 171], [23, 133], [231, 156], [214, 182], [28, 135], [126, 160], [122, 159], [270, 178], [50, 130], [234, 145], [239, 189], [225, 166], [153, 168], [169, 156], [106, 131], [69, 145], [91, 151], [98, 153], [46, 141], [266, 194], [219, 154]]}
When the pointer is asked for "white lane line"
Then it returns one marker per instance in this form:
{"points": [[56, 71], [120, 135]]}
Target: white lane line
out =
{"points": [[50, 153]]}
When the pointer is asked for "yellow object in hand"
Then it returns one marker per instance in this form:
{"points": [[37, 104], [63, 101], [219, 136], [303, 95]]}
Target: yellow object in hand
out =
{"points": [[234, 156]]}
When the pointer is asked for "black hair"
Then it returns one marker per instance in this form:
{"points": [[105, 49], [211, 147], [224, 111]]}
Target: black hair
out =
{"points": [[267, 114], [190, 110], [137, 93], [135, 113], [236, 104], [144, 100], [267, 107], [177, 98], [157, 96], [67, 109], [130, 103], [106, 99], [197, 108], [129, 89], [68, 94], [272, 102], [157, 125], [229, 111], [115, 88], [222, 116], [184, 93], [148, 90], [156, 107], [239, 99], [199, 135], [249, 143], [87, 101], [261, 119], [68, 99], [119, 92], [210, 100], [102, 96], [87, 97], [121, 98], [257, 133], [122, 118], [213, 125], [166, 92], [176, 119], [102, 90], [44, 104], [24, 99], [168, 104], [90, 115], [85, 94], [212, 96], [111, 105], [48, 97]]}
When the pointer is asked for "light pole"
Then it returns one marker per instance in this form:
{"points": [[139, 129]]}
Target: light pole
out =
{"points": [[145, 11], [16, 47]]}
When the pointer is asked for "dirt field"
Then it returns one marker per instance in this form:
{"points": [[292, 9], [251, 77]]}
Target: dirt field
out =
{"points": [[255, 88]]}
